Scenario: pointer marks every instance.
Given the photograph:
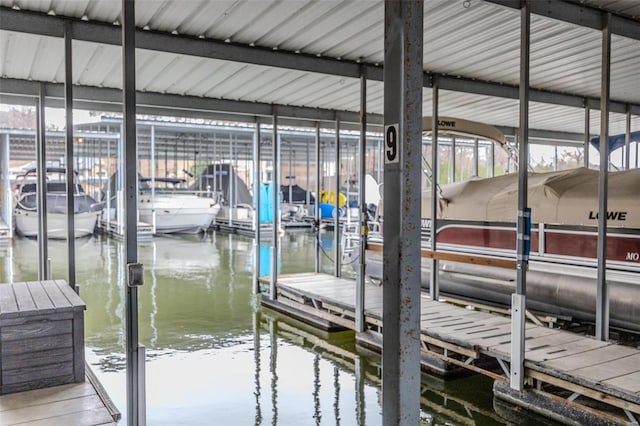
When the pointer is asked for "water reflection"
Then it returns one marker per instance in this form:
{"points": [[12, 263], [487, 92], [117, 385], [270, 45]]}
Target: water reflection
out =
{"points": [[215, 357]]}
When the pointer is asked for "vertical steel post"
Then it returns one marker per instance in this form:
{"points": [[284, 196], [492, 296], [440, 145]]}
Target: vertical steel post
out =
{"points": [[154, 222], [41, 160], [452, 169], [587, 131], [476, 160], [6, 188], [627, 138], [518, 299], [602, 292], [493, 159], [120, 185], [434, 289], [362, 252], [308, 186], [134, 274], [68, 106], [336, 216], [275, 198], [403, 79], [317, 201], [232, 181], [256, 206]]}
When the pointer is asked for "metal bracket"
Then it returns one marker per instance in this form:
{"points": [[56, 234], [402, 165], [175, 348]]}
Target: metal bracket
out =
{"points": [[135, 274]]}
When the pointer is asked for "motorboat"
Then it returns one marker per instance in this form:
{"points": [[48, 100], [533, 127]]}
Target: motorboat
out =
{"points": [[477, 218], [86, 208], [174, 209]]}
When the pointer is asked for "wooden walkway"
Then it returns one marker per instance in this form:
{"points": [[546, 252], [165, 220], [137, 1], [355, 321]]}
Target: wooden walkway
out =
{"points": [[584, 374], [78, 404]]}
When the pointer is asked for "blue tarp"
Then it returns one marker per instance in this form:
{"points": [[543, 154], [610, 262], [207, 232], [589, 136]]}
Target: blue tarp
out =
{"points": [[616, 141]]}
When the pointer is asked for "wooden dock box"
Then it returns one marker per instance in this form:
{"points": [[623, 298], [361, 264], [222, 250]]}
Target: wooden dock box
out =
{"points": [[41, 335]]}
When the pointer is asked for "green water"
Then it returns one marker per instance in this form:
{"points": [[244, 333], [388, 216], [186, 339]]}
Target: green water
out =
{"points": [[214, 357]]}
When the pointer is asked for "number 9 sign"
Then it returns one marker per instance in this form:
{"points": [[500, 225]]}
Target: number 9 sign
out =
{"points": [[391, 144]]}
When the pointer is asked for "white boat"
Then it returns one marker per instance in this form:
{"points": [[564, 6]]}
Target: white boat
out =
{"points": [[177, 210], [86, 209], [477, 218]]}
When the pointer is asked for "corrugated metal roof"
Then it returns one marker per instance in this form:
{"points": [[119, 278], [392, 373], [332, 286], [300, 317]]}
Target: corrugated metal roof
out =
{"points": [[477, 42]]}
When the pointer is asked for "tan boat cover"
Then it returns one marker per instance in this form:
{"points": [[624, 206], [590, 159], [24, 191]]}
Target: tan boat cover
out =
{"points": [[568, 197]]}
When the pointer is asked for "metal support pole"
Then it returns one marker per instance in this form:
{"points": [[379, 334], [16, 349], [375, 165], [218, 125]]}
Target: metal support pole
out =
{"points": [[362, 252], [317, 201], [68, 106], [276, 211], [41, 160], [232, 182], [627, 139], [476, 160], [134, 272], [518, 300], [6, 187], [308, 186], [403, 78], [602, 292], [452, 169], [256, 206], [336, 216], [493, 159], [587, 130], [154, 221], [434, 289]]}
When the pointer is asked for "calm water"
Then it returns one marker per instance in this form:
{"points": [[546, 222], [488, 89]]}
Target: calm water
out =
{"points": [[213, 356]]}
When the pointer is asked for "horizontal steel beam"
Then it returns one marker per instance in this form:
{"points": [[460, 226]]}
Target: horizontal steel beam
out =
{"points": [[103, 33], [578, 14], [108, 99], [552, 137]]}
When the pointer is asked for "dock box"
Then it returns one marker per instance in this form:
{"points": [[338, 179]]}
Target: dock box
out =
{"points": [[41, 335]]}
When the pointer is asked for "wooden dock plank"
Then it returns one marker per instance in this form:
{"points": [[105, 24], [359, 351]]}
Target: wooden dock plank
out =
{"points": [[23, 298], [562, 358], [532, 331], [69, 293], [629, 382], [57, 298], [40, 297], [8, 301], [595, 359], [51, 410], [71, 404], [538, 346], [14, 401], [610, 369]]}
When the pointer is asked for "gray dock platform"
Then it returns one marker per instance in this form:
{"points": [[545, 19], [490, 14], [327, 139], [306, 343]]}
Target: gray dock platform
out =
{"points": [[83, 403], [110, 228], [584, 379]]}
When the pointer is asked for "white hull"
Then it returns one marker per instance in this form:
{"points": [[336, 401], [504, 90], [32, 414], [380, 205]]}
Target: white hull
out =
{"points": [[178, 213], [26, 223]]}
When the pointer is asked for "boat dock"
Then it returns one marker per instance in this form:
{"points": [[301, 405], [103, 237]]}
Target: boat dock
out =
{"points": [[43, 375], [145, 230], [572, 377], [84, 403]]}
